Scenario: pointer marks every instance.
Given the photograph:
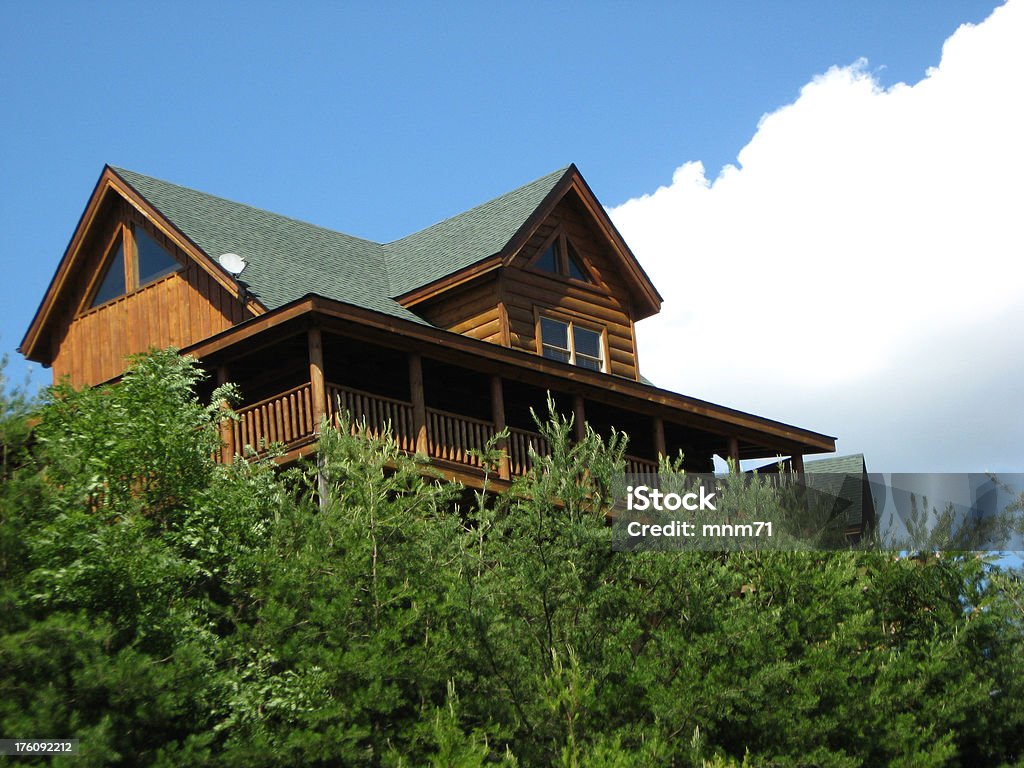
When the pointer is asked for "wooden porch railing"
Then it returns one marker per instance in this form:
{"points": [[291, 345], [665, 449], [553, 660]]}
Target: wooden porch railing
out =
{"points": [[288, 419], [379, 414], [519, 443], [451, 437], [638, 466], [285, 418]]}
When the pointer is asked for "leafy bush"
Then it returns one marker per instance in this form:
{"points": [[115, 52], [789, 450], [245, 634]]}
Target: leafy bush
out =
{"points": [[166, 609]]}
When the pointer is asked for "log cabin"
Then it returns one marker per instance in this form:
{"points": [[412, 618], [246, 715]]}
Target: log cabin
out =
{"points": [[446, 337]]}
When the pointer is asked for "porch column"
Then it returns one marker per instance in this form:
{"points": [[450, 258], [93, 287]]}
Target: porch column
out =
{"points": [[579, 418], [318, 392], [419, 405], [659, 436], [797, 462], [498, 417], [227, 427], [734, 451]]}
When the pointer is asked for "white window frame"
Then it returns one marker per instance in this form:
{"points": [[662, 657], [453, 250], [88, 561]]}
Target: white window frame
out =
{"points": [[571, 325]]}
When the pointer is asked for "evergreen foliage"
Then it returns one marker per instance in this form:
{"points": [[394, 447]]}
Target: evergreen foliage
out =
{"points": [[166, 610]]}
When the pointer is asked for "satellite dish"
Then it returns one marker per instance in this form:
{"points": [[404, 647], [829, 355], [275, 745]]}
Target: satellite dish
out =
{"points": [[232, 262]]}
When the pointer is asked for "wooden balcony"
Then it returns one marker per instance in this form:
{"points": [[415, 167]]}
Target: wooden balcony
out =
{"points": [[289, 420]]}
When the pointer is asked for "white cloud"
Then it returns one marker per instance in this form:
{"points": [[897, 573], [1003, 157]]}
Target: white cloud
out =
{"points": [[861, 270]]}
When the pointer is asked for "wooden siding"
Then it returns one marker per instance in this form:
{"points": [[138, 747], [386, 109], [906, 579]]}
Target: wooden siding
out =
{"points": [[606, 304], [472, 310], [178, 309]]}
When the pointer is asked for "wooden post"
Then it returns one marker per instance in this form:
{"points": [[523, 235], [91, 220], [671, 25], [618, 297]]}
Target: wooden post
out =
{"points": [[659, 436], [318, 396], [419, 405], [498, 417], [796, 461], [227, 427], [579, 417], [734, 451], [318, 391]]}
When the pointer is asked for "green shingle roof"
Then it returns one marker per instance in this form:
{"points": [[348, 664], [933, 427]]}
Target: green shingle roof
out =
{"points": [[463, 240], [288, 259], [842, 477]]}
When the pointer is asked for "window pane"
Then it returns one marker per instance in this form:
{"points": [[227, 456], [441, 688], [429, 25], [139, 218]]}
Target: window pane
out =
{"points": [[548, 260], [113, 281], [554, 332], [554, 353], [586, 342], [154, 261], [576, 266], [593, 363]]}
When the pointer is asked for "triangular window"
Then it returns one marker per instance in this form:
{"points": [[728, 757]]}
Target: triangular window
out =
{"points": [[559, 256], [135, 259], [548, 261], [154, 261], [113, 284], [574, 264]]}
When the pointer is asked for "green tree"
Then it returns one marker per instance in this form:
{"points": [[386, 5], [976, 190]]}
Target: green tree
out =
{"points": [[166, 610]]}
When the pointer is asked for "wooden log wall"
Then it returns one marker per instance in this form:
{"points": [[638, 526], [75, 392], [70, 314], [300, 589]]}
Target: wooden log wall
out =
{"points": [[472, 310]]}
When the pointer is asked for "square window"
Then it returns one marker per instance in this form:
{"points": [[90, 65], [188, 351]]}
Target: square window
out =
{"points": [[570, 343]]}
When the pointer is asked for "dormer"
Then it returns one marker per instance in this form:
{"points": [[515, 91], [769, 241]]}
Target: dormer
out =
{"points": [[560, 283]]}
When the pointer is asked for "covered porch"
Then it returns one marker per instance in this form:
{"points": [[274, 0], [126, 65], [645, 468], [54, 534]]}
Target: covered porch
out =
{"points": [[445, 397]]}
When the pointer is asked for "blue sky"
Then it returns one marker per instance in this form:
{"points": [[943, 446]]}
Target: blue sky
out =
{"points": [[378, 120]]}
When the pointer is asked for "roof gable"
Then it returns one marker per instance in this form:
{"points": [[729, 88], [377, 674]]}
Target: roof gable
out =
{"points": [[112, 204]]}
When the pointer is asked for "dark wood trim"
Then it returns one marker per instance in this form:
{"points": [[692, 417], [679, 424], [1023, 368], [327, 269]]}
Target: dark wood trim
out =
{"points": [[71, 255]]}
